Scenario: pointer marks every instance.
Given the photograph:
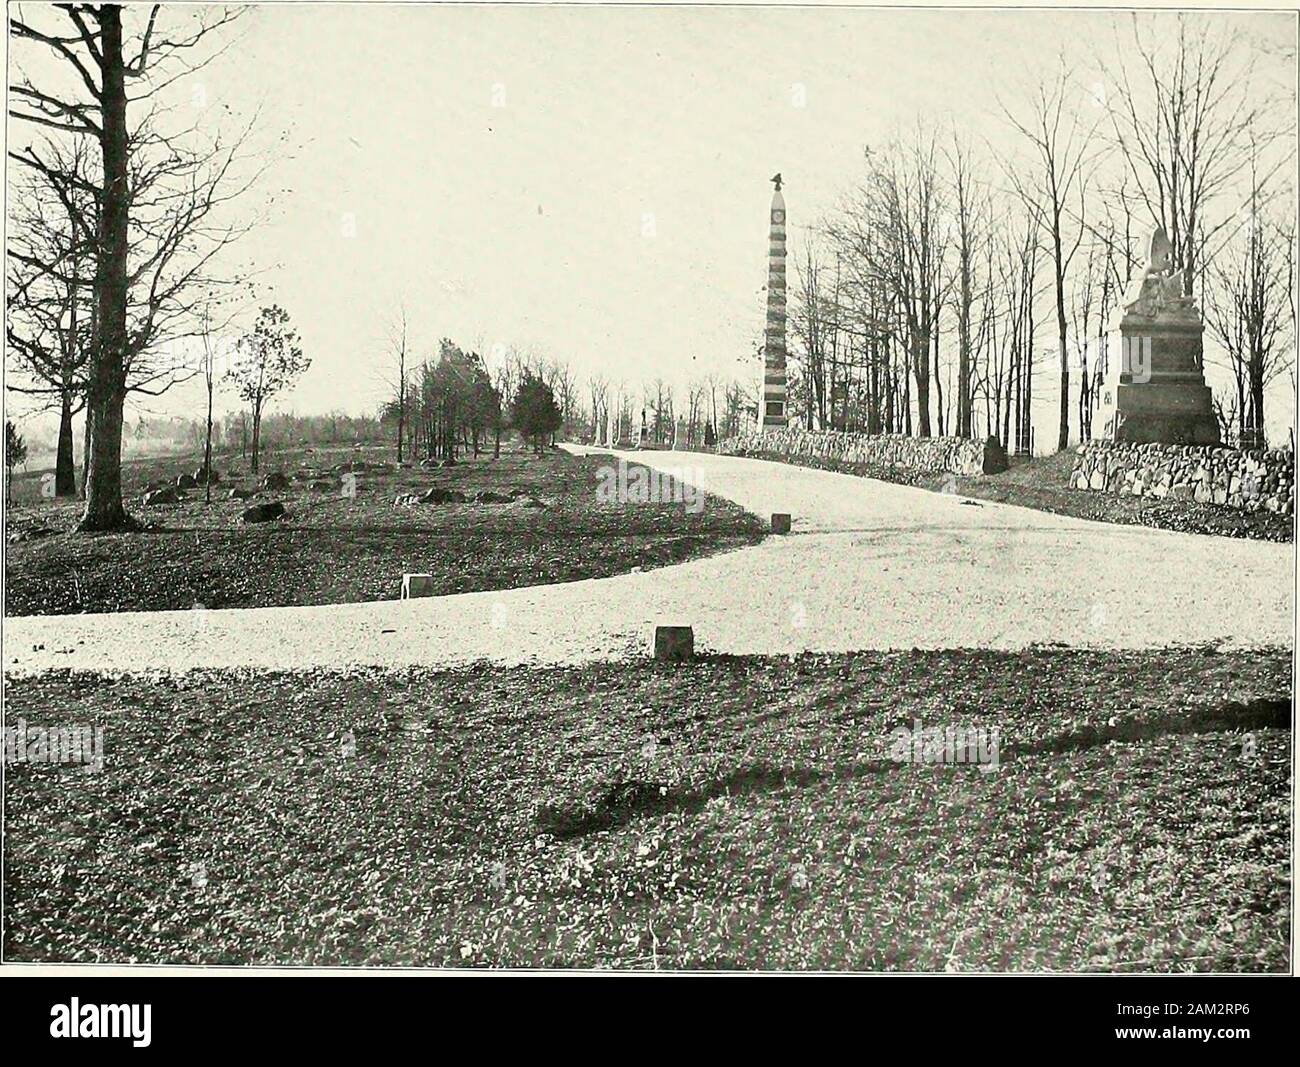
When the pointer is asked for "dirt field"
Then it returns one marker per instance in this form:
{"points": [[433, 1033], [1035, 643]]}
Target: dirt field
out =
{"points": [[736, 812]]}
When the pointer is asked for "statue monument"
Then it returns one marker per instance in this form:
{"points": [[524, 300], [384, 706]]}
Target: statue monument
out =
{"points": [[772, 393], [1154, 385]]}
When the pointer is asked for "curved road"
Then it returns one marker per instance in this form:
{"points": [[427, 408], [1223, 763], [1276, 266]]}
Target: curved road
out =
{"points": [[868, 565]]}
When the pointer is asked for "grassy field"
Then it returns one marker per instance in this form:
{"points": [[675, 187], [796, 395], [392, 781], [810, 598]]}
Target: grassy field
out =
{"points": [[724, 814], [336, 549], [1043, 484]]}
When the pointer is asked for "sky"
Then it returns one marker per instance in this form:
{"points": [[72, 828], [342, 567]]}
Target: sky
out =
{"points": [[587, 183]]}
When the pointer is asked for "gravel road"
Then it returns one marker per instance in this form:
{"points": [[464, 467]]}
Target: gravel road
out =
{"points": [[868, 565]]}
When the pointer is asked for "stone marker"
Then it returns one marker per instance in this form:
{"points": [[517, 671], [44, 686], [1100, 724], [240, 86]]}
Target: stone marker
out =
{"points": [[414, 585], [674, 644], [780, 522]]}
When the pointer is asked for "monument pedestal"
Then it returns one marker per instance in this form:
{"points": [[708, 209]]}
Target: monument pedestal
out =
{"points": [[1154, 389]]}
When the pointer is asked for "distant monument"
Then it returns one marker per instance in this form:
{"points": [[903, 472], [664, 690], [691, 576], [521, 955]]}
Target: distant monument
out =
{"points": [[772, 394], [1154, 387]]}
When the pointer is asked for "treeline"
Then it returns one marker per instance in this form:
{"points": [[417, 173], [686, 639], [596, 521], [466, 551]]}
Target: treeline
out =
{"points": [[955, 284], [455, 404]]}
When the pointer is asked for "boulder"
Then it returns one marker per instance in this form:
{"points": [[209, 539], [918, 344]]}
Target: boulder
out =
{"points": [[276, 482], [486, 496], [239, 494], [168, 495], [437, 495], [206, 477], [186, 481], [266, 512]]}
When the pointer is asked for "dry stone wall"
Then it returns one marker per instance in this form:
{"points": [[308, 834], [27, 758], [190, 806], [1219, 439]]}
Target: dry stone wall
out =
{"points": [[1253, 480], [955, 455]]}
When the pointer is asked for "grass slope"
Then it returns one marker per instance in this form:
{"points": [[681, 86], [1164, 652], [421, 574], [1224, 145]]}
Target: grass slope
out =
{"points": [[332, 549]]}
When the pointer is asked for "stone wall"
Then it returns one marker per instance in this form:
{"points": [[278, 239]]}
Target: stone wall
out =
{"points": [[1252, 480], [955, 455]]}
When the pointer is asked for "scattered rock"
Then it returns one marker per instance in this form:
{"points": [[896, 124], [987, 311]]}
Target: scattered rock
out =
{"points": [[239, 494], [275, 482], [272, 509], [206, 477], [486, 496], [186, 481]]}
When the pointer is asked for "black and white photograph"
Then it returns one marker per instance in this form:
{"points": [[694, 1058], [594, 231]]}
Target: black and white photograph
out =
{"points": [[669, 489]]}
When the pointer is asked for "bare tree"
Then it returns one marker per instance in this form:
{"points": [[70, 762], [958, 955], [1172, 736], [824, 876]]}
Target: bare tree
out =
{"points": [[48, 266], [1250, 306], [971, 217], [891, 236], [808, 316], [398, 381], [598, 392], [1063, 148], [1187, 119], [156, 196]]}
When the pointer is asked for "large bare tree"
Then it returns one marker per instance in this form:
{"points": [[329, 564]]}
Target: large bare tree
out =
{"points": [[157, 195], [1060, 131]]}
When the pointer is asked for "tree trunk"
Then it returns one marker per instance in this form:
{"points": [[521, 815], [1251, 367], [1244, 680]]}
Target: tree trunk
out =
{"points": [[207, 451], [85, 453], [257, 433], [65, 472], [921, 372], [106, 395], [1063, 435]]}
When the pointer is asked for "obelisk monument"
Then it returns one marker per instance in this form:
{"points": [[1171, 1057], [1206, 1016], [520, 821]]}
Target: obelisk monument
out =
{"points": [[772, 395]]}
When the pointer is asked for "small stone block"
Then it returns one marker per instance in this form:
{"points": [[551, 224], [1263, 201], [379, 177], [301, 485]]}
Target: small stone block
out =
{"points": [[674, 644], [780, 522], [416, 585]]}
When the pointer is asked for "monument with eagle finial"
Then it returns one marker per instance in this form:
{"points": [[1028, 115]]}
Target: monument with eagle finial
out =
{"points": [[772, 391], [1154, 389]]}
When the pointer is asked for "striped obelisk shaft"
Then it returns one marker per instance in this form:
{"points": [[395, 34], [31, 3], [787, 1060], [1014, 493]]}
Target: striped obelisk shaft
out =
{"points": [[771, 411]]}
